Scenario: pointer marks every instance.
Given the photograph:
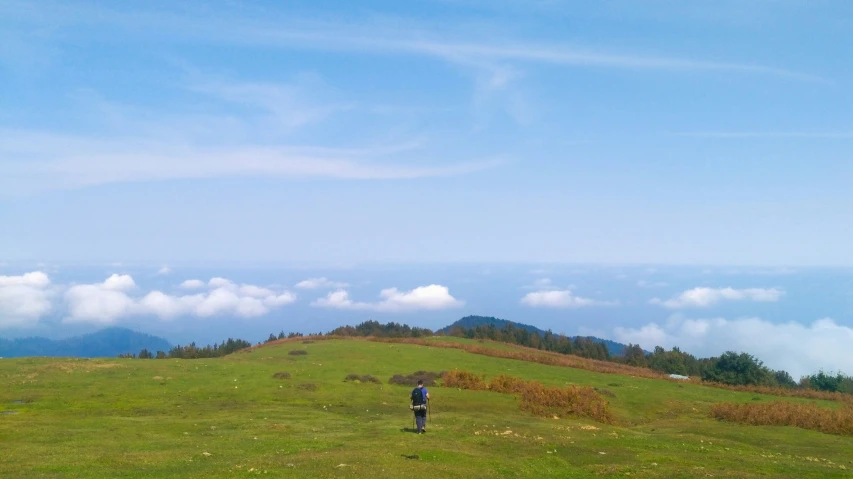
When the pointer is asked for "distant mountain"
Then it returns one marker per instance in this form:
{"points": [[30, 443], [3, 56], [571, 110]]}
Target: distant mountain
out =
{"points": [[615, 349], [108, 342], [474, 321]]}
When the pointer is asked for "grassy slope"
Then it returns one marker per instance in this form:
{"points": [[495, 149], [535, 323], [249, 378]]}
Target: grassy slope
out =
{"points": [[147, 418]]}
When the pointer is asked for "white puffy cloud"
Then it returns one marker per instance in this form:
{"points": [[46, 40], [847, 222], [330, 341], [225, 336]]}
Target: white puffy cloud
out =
{"points": [[94, 303], [704, 297], [193, 284], [101, 303], [107, 302], [165, 270], [432, 297], [797, 348], [24, 299], [119, 282], [559, 298], [321, 283]]}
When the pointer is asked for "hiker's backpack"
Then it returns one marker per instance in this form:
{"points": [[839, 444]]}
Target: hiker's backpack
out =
{"points": [[417, 397]]}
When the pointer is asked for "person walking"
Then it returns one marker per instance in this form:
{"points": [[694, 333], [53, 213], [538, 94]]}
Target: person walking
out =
{"points": [[419, 397]]}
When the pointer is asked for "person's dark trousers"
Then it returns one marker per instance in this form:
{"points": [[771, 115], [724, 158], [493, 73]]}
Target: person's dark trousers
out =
{"points": [[420, 419]]}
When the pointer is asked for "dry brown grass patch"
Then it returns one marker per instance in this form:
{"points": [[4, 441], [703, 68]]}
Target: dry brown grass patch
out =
{"points": [[581, 401], [786, 413], [463, 380], [546, 401], [507, 384]]}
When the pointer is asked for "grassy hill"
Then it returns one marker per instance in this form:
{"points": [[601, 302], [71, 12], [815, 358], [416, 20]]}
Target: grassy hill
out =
{"points": [[230, 417]]}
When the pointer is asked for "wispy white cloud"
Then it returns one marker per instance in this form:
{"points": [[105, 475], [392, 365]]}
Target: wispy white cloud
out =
{"points": [[285, 106], [164, 271], [652, 284], [111, 301], [556, 298], [795, 347], [24, 299], [321, 283], [541, 283], [42, 161], [704, 297], [432, 297], [453, 43]]}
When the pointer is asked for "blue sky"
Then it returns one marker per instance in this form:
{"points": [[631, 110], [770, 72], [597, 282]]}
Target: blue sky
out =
{"points": [[639, 132], [432, 159]]}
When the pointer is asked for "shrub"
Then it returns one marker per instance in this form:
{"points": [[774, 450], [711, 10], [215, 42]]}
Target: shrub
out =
{"points": [[298, 352], [605, 392], [463, 380], [308, 341], [507, 384], [367, 378], [428, 377], [785, 413], [308, 386], [580, 401], [281, 375]]}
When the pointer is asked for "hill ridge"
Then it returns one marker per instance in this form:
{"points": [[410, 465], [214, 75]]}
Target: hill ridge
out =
{"points": [[472, 321], [107, 342]]}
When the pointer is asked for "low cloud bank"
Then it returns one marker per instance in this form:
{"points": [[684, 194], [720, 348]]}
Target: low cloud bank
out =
{"points": [[706, 297], [798, 348], [557, 298], [107, 302]]}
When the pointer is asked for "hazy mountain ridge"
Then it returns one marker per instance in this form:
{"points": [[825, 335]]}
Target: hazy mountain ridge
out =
{"points": [[109, 342]]}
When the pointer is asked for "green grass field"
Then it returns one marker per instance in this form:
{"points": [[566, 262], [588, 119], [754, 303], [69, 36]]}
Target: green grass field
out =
{"points": [[229, 417]]}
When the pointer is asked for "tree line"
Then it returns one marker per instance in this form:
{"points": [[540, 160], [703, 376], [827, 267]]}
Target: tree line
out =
{"points": [[191, 351]]}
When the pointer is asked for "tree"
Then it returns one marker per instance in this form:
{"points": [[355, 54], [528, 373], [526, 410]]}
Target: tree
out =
{"points": [[145, 354], [824, 382], [635, 356], [783, 379], [737, 369]]}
